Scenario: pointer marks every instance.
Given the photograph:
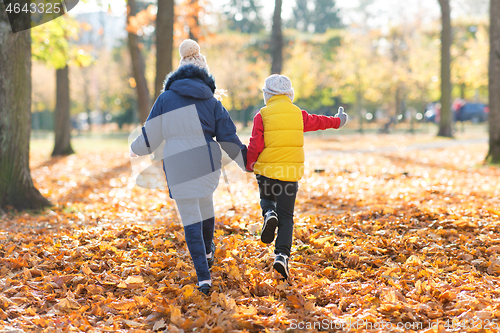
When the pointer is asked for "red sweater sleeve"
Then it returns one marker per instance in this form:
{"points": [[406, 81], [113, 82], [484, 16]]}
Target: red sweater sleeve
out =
{"points": [[256, 144], [314, 122]]}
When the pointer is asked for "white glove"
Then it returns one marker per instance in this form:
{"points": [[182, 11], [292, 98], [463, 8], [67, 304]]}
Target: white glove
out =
{"points": [[343, 116]]}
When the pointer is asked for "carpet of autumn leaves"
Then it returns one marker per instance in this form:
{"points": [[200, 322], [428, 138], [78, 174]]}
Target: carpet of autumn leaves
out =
{"points": [[394, 229]]}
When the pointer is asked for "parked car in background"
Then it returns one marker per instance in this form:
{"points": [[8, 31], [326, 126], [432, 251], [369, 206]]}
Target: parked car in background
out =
{"points": [[432, 112], [474, 112]]}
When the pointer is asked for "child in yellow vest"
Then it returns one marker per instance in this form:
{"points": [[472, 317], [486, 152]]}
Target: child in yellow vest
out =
{"points": [[276, 156]]}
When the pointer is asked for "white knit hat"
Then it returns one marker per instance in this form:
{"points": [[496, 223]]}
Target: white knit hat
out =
{"points": [[190, 54], [277, 85]]}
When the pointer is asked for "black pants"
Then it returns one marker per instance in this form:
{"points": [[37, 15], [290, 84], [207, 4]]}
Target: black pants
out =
{"points": [[279, 196]]}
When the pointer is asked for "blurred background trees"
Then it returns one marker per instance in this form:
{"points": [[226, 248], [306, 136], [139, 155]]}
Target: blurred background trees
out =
{"points": [[135, 22], [387, 62], [381, 63], [315, 16], [164, 34], [244, 16], [54, 45]]}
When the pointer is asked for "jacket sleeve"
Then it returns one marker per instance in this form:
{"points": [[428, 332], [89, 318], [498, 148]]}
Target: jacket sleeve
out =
{"points": [[314, 122], [256, 145], [152, 133], [225, 133]]}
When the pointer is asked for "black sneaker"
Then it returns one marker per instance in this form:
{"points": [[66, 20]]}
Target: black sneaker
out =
{"points": [[211, 260], [205, 288], [269, 228], [281, 265]]}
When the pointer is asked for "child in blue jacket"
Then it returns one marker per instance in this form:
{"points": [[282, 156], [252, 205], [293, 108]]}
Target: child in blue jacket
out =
{"points": [[187, 116]]}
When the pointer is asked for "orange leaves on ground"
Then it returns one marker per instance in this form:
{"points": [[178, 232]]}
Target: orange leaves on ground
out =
{"points": [[494, 211], [297, 302], [134, 280], [86, 270], [124, 305], [399, 236], [14, 263], [68, 304], [176, 315]]}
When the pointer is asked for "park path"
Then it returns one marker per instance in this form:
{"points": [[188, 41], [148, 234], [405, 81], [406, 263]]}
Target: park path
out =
{"points": [[446, 143]]}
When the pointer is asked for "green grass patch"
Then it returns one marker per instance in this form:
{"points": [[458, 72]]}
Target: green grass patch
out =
{"points": [[82, 144]]}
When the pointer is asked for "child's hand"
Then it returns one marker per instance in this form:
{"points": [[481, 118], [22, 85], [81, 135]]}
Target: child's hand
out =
{"points": [[343, 116], [131, 153]]}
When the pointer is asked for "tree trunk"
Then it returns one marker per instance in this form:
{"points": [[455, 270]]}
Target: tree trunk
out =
{"points": [[16, 185], [86, 95], [446, 117], [358, 109], [164, 42], [398, 102], [138, 67], [277, 40], [494, 83], [62, 121]]}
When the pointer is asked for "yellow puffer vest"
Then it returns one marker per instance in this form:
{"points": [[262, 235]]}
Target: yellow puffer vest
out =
{"points": [[283, 155]]}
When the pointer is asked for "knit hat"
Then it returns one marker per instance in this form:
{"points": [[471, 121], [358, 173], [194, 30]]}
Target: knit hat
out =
{"points": [[277, 85], [190, 54]]}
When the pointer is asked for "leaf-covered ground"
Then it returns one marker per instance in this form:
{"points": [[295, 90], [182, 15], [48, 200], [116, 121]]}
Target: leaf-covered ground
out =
{"points": [[390, 231]]}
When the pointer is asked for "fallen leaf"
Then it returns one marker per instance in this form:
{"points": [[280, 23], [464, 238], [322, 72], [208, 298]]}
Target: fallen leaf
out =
{"points": [[86, 270], [159, 325], [67, 304]]}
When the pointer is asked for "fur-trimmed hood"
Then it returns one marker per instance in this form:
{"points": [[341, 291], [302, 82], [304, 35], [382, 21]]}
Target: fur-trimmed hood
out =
{"points": [[191, 81]]}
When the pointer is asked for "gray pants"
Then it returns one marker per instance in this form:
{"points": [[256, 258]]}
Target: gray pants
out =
{"points": [[195, 210], [198, 219]]}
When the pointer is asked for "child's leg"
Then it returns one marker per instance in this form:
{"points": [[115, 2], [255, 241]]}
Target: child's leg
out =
{"points": [[208, 215], [267, 197], [191, 219], [285, 198]]}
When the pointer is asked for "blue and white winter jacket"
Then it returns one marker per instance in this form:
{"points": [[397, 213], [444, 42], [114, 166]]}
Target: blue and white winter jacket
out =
{"points": [[186, 117]]}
